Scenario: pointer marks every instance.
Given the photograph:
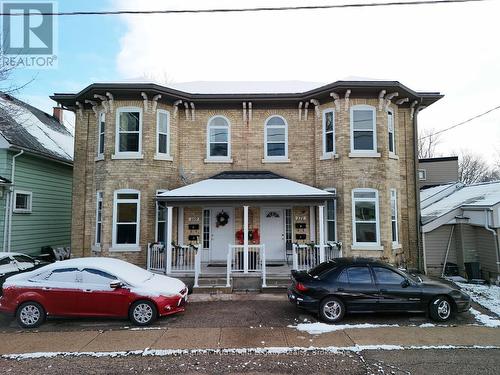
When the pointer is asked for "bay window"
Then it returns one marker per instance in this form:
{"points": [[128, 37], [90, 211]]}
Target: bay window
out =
{"points": [[162, 134], [390, 127], [394, 217], [126, 219], [363, 129], [128, 142], [328, 132], [98, 221], [101, 127], [365, 217]]}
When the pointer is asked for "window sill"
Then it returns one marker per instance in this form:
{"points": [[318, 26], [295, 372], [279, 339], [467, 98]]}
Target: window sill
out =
{"points": [[21, 211], [281, 160], [99, 158], [329, 156], [368, 154], [396, 246], [214, 160], [163, 157], [367, 247], [393, 156], [118, 248], [96, 248], [136, 156]]}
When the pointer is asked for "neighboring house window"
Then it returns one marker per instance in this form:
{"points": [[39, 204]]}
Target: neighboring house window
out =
{"points": [[390, 126], [98, 219], [128, 132], [219, 138], [330, 218], [101, 128], [363, 129], [276, 138], [161, 219], [126, 212], [365, 217], [394, 216], [22, 201], [422, 175], [163, 133], [206, 229], [328, 131]]}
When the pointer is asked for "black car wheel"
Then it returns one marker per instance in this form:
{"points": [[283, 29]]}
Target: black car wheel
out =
{"points": [[331, 310], [440, 309], [143, 313], [30, 315]]}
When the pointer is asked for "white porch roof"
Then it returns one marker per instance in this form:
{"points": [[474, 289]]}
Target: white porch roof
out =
{"points": [[253, 186]]}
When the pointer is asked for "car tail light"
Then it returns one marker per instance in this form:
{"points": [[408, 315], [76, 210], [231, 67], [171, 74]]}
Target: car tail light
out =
{"points": [[300, 287]]}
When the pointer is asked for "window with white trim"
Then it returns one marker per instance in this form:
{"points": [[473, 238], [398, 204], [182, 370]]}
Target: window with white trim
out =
{"points": [[126, 213], [162, 133], [161, 219], [276, 138], [101, 128], [328, 131], [128, 132], [218, 138], [98, 219], [394, 217], [365, 217], [331, 208], [363, 129], [422, 175], [392, 134], [23, 201]]}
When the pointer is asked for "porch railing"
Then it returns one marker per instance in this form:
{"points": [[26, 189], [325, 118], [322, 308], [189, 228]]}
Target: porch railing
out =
{"points": [[307, 256], [156, 257], [240, 261]]}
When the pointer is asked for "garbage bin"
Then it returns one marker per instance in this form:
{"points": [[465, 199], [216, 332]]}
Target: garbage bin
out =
{"points": [[451, 269], [473, 271]]}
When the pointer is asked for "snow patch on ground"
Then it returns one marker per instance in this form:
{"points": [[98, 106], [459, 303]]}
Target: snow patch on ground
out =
{"points": [[270, 350], [318, 328], [484, 319], [486, 296]]}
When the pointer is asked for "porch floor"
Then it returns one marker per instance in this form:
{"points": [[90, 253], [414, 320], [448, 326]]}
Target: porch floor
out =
{"points": [[208, 270]]}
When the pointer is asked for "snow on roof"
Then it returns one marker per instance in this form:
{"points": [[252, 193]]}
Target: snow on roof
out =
{"points": [[28, 127], [484, 194], [253, 187], [427, 193]]}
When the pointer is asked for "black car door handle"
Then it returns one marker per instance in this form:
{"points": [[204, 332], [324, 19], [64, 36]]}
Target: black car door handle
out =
{"points": [[340, 289], [383, 290]]}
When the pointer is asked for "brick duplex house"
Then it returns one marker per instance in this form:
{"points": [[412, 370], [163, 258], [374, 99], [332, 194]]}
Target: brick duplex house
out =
{"points": [[258, 180]]}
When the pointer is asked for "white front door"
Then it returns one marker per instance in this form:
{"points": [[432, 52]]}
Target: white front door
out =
{"points": [[272, 225], [222, 235]]}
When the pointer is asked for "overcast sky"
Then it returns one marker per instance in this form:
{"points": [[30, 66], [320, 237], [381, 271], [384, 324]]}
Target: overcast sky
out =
{"points": [[451, 48]]}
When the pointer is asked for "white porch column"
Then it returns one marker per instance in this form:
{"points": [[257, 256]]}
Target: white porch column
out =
{"points": [[168, 240], [180, 225], [245, 239], [312, 223], [321, 219]]}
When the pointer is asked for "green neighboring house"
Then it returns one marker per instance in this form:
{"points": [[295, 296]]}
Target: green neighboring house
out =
{"points": [[36, 171]]}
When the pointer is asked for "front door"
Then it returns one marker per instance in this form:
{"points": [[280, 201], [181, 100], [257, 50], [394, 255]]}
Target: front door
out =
{"points": [[221, 235], [273, 233]]}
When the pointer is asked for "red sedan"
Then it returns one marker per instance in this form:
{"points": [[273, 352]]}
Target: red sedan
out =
{"points": [[91, 287]]}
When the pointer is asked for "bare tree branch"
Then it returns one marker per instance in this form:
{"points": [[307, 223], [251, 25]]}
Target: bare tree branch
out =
{"points": [[472, 168], [427, 144]]}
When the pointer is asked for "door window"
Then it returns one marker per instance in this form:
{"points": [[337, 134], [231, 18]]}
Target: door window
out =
{"points": [[96, 277], [6, 266], [387, 276], [63, 275], [24, 261], [359, 275]]}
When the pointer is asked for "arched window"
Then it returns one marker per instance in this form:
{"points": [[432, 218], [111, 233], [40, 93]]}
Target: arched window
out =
{"points": [[363, 129], [276, 138], [218, 139]]}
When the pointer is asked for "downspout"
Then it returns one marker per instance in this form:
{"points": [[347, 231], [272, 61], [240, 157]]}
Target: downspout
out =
{"points": [[11, 205], [495, 237], [6, 219], [417, 190]]}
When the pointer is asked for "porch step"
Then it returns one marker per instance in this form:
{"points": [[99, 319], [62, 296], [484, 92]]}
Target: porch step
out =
{"points": [[212, 290], [212, 282], [276, 284]]}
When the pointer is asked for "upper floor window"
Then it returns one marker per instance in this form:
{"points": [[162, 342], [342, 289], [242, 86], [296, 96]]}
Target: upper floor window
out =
{"points": [[128, 132], [162, 133], [422, 175], [126, 210], [365, 217], [101, 128], [390, 127], [328, 131], [276, 138], [363, 129], [219, 139]]}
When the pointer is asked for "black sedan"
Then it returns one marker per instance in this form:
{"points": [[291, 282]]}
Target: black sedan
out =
{"points": [[350, 285], [14, 263]]}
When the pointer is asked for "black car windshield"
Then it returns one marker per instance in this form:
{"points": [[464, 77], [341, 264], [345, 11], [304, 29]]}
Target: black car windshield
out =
{"points": [[322, 268], [413, 278]]}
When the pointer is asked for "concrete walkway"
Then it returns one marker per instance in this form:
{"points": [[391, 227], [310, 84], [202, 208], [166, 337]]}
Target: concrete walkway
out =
{"points": [[238, 337]]}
